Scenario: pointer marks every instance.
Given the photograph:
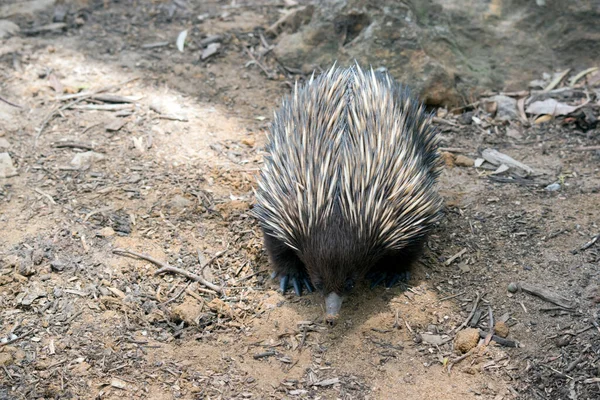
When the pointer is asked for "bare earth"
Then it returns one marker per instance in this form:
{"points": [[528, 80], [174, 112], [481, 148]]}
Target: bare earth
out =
{"points": [[176, 183]]}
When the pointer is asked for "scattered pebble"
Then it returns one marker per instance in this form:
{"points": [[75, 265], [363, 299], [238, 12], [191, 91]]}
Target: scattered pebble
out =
{"points": [[505, 109], [82, 160], [7, 28], [501, 329], [448, 159], [553, 187], [463, 161], [6, 359], [189, 311], [466, 339], [432, 339], [107, 231], [513, 287], [6, 166]]}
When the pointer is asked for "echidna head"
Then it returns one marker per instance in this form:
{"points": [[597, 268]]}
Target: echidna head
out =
{"points": [[334, 265]]}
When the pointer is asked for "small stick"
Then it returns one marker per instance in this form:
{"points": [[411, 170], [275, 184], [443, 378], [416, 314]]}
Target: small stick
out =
{"points": [[164, 268], [172, 299], [557, 371], [490, 334], [264, 354], [73, 145], [454, 257], [587, 245], [444, 121], [71, 104], [500, 340], [17, 338], [454, 149], [451, 297], [267, 72], [579, 359], [10, 103], [459, 359], [588, 148], [46, 195], [408, 327], [544, 294], [475, 304]]}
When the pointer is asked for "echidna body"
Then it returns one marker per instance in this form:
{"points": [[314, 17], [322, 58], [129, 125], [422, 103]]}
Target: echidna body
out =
{"points": [[348, 185]]}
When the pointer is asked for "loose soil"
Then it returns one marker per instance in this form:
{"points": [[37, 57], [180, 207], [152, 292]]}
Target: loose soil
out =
{"points": [[176, 184]]}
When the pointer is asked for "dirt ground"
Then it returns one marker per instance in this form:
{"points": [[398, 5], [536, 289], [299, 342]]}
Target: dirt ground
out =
{"points": [[174, 181]]}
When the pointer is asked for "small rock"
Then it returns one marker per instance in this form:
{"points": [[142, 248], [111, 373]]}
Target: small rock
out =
{"points": [[6, 166], [466, 118], [179, 202], [463, 161], [250, 142], [6, 359], [513, 287], [7, 28], [464, 268], [554, 187], [81, 368], [448, 159], [189, 312], [563, 341], [432, 339], [220, 307], [33, 293], [466, 339], [513, 133], [107, 231], [57, 265], [501, 329], [115, 125], [118, 383], [506, 107], [82, 160], [4, 144], [38, 256]]}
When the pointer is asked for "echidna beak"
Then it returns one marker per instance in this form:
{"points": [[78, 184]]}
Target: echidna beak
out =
{"points": [[333, 304]]}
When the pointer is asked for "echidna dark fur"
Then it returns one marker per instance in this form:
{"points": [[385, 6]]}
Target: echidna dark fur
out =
{"points": [[348, 188]]}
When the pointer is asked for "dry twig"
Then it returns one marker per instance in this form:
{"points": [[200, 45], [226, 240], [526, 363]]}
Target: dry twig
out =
{"points": [[57, 110], [17, 338], [164, 268], [475, 304]]}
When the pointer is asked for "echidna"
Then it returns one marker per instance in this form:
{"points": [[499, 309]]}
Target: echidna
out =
{"points": [[348, 185]]}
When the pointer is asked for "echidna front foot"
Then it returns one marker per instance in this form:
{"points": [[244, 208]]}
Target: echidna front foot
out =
{"points": [[298, 282], [287, 266]]}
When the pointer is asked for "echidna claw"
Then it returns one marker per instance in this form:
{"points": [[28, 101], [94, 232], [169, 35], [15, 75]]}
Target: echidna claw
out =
{"points": [[297, 286], [388, 279], [283, 284], [297, 283], [308, 285]]}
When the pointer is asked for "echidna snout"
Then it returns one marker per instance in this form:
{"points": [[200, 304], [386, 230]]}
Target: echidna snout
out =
{"points": [[333, 305]]}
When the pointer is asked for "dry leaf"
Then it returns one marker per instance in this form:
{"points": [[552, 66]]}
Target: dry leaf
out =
{"points": [[181, 40], [542, 119], [550, 107]]}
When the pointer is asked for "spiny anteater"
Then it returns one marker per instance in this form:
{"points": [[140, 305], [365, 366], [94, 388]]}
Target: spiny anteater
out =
{"points": [[348, 185]]}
